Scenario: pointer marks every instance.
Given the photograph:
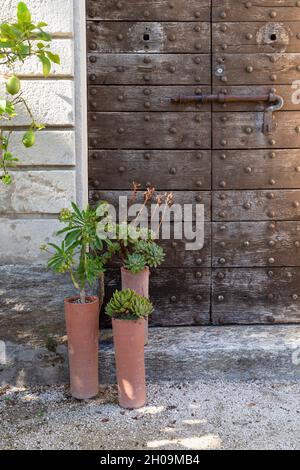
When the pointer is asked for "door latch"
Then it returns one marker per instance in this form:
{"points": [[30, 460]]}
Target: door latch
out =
{"points": [[276, 103]]}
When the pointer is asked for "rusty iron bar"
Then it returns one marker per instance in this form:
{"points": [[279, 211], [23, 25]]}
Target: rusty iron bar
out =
{"points": [[223, 98], [276, 103]]}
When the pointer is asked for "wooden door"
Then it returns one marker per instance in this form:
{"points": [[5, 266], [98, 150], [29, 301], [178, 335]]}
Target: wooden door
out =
{"points": [[256, 177], [140, 54]]}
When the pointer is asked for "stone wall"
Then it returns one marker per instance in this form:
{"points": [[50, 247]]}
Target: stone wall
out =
{"points": [[52, 173], [49, 176]]}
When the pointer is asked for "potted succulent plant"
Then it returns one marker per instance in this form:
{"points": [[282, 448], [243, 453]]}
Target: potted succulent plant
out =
{"points": [[83, 256], [138, 250], [128, 311]]}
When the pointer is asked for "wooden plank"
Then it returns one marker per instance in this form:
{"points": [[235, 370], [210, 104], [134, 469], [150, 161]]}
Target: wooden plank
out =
{"points": [[256, 169], [241, 244], [153, 130], [260, 10], [180, 296], [256, 205], [141, 98], [146, 37], [270, 37], [245, 130], [249, 296], [260, 69], [290, 95], [139, 69], [177, 169], [149, 10], [180, 197]]}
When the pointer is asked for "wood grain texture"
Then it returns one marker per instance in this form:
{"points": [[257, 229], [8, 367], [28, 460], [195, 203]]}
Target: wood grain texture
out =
{"points": [[257, 69], [256, 169], [244, 296], [241, 244], [160, 167], [160, 69], [260, 10], [290, 94], [256, 205], [149, 10], [147, 37], [144, 98], [180, 198], [245, 131], [180, 296], [140, 55], [153, 130], [253, 37]]}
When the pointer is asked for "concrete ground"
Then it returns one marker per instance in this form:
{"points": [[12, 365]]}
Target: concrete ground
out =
{"points": [[198, 415]]}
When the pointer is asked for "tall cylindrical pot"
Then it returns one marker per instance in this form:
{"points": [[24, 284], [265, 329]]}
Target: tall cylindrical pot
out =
{"points": [[82, 322], [139, 283], [130, 362]]}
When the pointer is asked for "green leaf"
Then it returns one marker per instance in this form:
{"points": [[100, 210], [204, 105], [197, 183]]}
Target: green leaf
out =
{"points": [[77, 210], [23, 50], [38, 126], [4, 44], [6, 179], [3, 104], [72, 236], [41, 24], [46, 65], [53, 57], [6, 31], [24, 15], [43, 36]]}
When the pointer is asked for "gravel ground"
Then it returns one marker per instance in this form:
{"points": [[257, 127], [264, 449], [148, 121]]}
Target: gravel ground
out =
{"points": [[214, 415]]}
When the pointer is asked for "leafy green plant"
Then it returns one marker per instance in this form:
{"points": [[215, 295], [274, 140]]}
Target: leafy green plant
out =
{"points": [[135, 245], [82, 253], [18, 42], [135, 262], [127, 305], [152, 253]]}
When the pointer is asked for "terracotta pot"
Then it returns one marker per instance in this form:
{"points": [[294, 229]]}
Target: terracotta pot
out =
{"points": [[130, 362], [140, 284], [83, 343]]}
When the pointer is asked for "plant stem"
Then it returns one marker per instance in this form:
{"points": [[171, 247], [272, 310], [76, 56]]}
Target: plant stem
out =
{"points": [[101, 289], [82, 296]]}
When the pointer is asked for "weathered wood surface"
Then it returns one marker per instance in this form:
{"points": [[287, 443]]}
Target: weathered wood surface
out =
{"points": [[256, 169], [122, 167], [141, 98], [260, 69], [248, 296], [180, 198], [255, 37], [137, 69], [153, 130], [256, 205], [289, 93], [149, 10], [159, 37], [140, 54], [245, 130], [260, 10], [241, 244], [180, 296]]}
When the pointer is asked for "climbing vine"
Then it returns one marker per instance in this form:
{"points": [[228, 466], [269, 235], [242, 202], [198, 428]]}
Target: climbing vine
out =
{"points": [[18, 42]]}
